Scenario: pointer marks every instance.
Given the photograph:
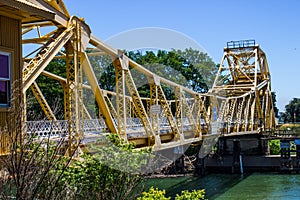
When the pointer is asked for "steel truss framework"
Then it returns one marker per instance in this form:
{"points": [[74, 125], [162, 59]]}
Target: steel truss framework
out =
{"points": [[241, 92]]}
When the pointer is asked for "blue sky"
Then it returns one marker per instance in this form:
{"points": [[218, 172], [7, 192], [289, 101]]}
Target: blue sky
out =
{"points": [[274, 24]]}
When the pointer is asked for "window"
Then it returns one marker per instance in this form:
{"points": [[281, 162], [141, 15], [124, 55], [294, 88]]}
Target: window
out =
{"points": [[5, 78]]}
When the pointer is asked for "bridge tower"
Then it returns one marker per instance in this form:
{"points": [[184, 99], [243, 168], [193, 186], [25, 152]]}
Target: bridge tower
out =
{"points": [[242, 90]]}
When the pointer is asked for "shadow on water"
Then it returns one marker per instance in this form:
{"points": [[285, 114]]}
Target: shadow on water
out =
{"points": [[214, 184], [234, 186]]}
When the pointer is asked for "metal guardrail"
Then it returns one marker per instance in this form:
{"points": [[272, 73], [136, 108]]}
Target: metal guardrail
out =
{"points": [[46, 128], [60, 127], [97, 126]]}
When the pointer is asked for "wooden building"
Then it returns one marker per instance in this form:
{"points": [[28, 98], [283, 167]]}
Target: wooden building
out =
{"points": [[13, 13]]}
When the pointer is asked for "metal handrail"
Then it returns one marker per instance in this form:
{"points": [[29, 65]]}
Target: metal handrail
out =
{"points": [[96, 126]]}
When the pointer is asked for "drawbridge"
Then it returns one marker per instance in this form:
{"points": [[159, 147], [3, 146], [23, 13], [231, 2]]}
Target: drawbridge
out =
{"points": [[242, 90], [239, 102]]}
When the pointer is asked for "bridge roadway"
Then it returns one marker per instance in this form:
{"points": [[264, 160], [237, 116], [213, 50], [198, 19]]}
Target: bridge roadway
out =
{"points": [[95, 128]]}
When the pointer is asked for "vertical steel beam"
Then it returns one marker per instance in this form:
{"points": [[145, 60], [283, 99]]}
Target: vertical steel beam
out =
{"points": [[73, 89], [120, 96]]}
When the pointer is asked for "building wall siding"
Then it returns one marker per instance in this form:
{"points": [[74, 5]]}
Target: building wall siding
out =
{"points": [[11, 40]]}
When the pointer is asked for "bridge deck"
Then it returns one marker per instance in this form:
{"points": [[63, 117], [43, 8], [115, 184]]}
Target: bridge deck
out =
{"points": [[95, 128]]}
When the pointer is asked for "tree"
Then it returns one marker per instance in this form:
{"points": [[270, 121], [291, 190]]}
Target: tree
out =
{"points": [[174, 67], [201, 62], [276, 110], [292, 111], [52, 91], [104, 70]]}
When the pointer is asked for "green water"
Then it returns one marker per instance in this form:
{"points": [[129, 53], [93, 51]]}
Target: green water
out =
{"points": [[227, 186]]}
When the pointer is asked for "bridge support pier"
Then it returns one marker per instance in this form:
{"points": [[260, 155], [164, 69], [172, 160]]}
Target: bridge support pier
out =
{"points": [[285, 153], [297, 165], [237, 159], [179, 165], [265, 146], [221, 146], [178, 153], [199, 163], [289, 163], [200, 166]]}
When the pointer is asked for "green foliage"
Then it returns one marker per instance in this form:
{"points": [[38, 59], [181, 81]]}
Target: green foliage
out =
{"points": [[276, 110], [39, 171], [110, 172], [188, 68], [200, 62], [120, 142], [31, 169], [292, 111], [274, 147], [156, 194], [52, 91], [193, 195], [104, 71]]}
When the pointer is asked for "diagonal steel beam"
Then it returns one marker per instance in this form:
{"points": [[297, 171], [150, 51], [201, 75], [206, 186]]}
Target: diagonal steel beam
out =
{"points": [[88, 70], [35, 67]]}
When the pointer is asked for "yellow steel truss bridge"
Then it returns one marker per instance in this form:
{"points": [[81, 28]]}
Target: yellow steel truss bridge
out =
{"points": [[239, 102]]}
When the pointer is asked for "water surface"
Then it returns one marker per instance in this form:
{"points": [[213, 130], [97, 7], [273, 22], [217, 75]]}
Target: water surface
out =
{"points": [[228, 186]]}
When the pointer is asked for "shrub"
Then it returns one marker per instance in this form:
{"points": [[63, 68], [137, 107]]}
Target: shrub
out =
{"points": [[155, 194], [193, 195], [274, 147], [111, 171]]}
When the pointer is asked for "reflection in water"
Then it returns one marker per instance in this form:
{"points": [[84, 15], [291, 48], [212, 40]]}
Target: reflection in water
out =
{"points": [[227, 186]]}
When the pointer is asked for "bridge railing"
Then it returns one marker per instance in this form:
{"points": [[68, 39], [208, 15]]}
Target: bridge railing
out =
{"points": [[134, 127], [60, 127], [46, 128], [95, 126]]}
